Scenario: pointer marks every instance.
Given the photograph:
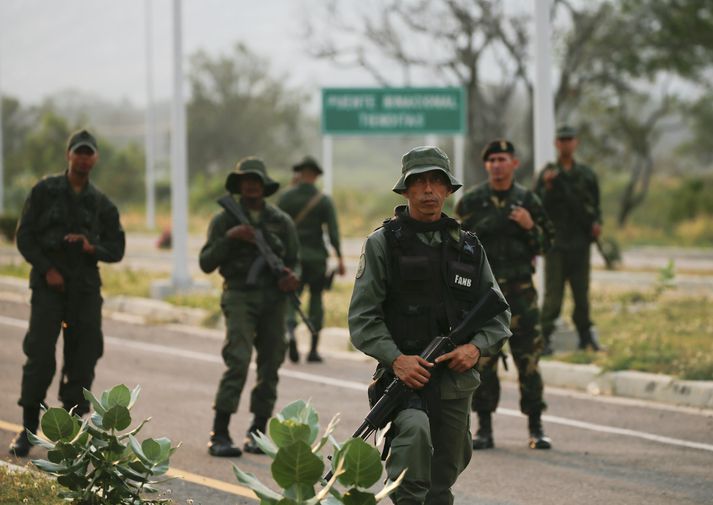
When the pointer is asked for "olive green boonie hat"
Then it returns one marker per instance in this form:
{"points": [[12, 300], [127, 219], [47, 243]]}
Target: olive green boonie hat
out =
{"points": [[566, 132], [250, 165], [424, 159], [307, 162], [81, 138]]}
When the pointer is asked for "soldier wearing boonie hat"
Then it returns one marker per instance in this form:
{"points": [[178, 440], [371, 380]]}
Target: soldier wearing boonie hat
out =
{"points": [[254, 314], [512, 225], [401, 301]]}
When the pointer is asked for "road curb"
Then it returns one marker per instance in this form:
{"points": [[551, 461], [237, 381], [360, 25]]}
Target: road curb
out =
{"points": [[589, 378]]}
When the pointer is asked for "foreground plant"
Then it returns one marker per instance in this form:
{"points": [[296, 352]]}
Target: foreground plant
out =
{"points": [[95, 462], [294, 444]]}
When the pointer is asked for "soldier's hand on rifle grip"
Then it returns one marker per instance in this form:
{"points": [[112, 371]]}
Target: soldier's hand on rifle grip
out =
{"points": [[288, 282], [242, 232], [78, 237], [522, 217], [54, 279], [412, 370], [596, 230], [462, 358]]}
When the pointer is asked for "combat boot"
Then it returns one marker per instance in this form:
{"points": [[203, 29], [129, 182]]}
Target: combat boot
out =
{"points": [[292, 351], [588, 339], [20, 445], [250, 445], [484, 436], [538, 439], [221, 445], [313, 356]]}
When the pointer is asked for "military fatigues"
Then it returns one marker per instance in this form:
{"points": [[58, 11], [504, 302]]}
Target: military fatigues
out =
{"points": [[511, 251], [406, 292], [254, 315], [311, 211], [52, 211], [572, 203]]}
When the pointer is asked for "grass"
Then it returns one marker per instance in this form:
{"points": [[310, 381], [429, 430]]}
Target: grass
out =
{"points": [[18, 487]]}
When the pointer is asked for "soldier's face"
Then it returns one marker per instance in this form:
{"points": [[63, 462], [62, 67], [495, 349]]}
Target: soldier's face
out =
{"points": [[251, 186], [501, 167], [426, 193], [82, 160], [566, 147]]}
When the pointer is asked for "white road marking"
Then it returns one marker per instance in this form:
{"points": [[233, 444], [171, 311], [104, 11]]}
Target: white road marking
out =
{"points": [[358, 386]]}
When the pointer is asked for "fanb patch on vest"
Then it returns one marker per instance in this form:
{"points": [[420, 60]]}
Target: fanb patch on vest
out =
{"points": [[461, 275]]}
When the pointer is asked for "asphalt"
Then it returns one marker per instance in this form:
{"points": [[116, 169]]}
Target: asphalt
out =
{"points": [[587, 378]]}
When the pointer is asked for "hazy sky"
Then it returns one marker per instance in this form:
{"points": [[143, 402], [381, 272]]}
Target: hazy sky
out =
{"points": [[99, 45]]}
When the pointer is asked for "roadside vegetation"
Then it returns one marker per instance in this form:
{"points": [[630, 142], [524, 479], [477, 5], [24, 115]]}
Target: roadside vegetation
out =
{"points": [[20, 487]]}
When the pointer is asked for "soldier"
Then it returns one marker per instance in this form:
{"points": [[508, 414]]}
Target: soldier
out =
{"points": [[513, 228], [254, 314], [67, 226], [311, 210], [407, 292], [570, 194]]}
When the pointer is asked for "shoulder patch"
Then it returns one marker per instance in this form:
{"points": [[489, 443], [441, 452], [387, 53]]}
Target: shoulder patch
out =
{"points": [[362, 265]]}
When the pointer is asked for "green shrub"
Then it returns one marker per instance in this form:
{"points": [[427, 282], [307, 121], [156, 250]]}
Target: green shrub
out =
{"points": [[94, 462], [294, 445]]}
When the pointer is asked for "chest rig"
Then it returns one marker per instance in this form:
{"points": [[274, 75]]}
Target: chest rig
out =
{"points": [[431, 286]]}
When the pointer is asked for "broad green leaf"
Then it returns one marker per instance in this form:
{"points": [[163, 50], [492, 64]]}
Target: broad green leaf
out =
{"points": [[328, 494], [166, 449], [296, 464], [261, 490], [104, 400], [362, 464], [97, 419], [151, 449], [35, 440], [299, 492], [57, 424], [356, 497], [303, 413], [48, 466], [98, 407], [132, 474], [134, 396], [55, 456], [287, 432], [119, 395], [116, 418], [136, 447]]}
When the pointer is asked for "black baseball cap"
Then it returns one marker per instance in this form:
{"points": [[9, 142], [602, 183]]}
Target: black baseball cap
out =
{"points": [[81, 138]]}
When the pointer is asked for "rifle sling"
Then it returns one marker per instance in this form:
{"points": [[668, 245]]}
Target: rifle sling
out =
{"points": [[311, 204]]}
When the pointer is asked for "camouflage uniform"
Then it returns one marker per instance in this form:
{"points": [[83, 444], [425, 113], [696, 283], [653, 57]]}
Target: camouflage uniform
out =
{"points": [[511, 251], [399, 265], [572, 202], [52, 211], [313, 253]]}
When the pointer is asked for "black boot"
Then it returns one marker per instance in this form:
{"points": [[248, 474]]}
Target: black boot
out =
{"points": [[313, 356], [538, 439], [588, 339], [221, 445], [292, 351], [484, 437], [20, 445], [250, 444]]}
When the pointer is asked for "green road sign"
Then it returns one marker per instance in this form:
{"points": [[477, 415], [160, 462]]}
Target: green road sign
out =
{"points": [[360, 111]]}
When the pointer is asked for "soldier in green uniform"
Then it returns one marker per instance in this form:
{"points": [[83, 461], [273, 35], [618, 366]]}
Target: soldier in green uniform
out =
{"points": [[511, 224], [311, 211], [254, 313], [570, 193], [67, 226], [418, 274]]}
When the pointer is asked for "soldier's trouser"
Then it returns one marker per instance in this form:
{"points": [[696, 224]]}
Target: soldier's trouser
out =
{"points": [[561, 266], [83, 346], [253, 318], [434, 461], [526, 346], [313, 274]]}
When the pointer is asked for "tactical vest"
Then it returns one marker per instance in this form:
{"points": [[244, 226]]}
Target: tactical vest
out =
{"points": [[504, 241], [431, 287]]}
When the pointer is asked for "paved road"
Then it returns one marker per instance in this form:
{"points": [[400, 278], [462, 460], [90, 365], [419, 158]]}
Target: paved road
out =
{"points": [[606, 450]]}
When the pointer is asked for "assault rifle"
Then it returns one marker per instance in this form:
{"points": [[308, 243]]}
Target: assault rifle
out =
{"points": [[489, 306], [267, 258]]}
